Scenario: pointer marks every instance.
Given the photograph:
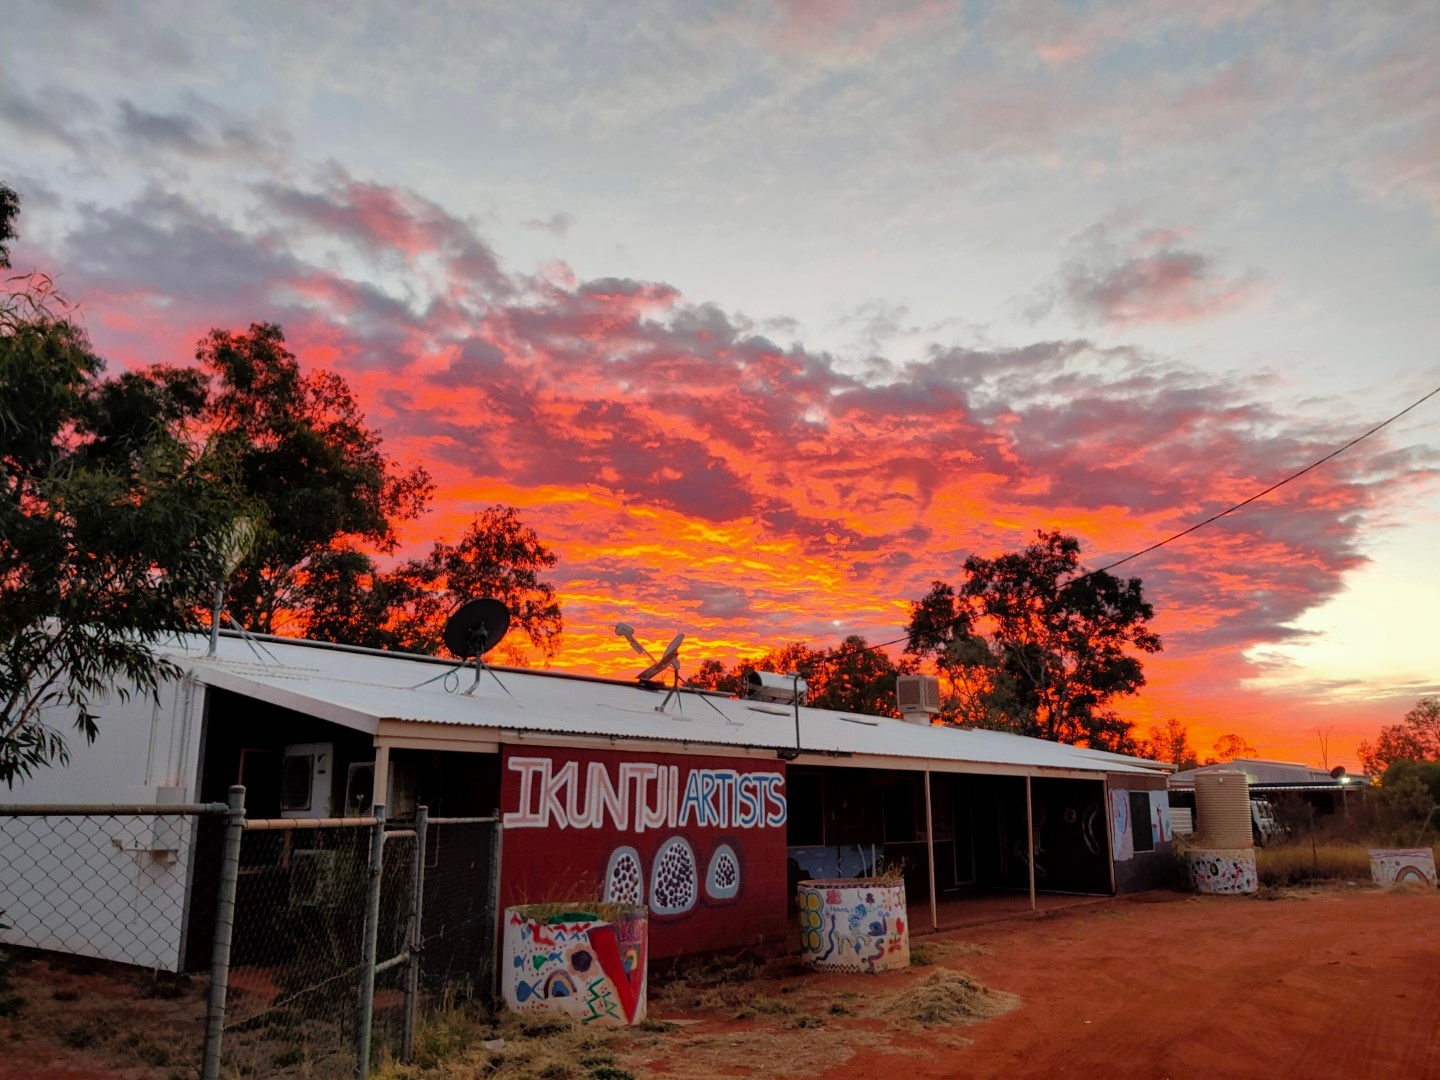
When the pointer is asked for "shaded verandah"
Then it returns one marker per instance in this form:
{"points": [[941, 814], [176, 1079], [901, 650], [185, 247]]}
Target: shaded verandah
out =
{"points": [[971, 846]]}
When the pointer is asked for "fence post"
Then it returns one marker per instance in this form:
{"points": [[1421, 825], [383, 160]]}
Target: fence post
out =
{"points": [[224, 927], [417, 939], [367, 958], [492, 967]]}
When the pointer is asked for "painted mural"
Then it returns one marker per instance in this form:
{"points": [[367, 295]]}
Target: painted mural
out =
{"points": [[1122, 840], [1402, 866], [853, 926], [1160, 832], [698, 840], [577, 963], [1222, 871]]}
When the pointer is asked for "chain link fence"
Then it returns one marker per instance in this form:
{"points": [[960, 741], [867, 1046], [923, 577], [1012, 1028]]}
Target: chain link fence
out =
{"points": [[296, 950], [95, 907], [325, 940], [462, 858]]}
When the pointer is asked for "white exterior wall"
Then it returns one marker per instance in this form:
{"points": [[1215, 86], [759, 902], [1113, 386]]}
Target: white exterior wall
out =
{"points": [[112, 887]]}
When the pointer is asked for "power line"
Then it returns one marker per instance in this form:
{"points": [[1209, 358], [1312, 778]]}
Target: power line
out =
{"points": [[1260, 495], [1208, 521]]}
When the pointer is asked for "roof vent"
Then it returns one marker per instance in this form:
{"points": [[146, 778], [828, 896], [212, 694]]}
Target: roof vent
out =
{"points": [[917, 697]]}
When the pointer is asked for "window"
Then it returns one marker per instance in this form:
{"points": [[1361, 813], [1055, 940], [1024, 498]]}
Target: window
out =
{"points": [[1140, 821]]}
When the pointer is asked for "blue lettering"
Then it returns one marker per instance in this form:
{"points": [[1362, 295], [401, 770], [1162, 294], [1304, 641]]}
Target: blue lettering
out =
{"points": [[692, 800]]}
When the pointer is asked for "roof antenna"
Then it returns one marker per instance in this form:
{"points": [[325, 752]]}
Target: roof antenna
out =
{"points": [[670, 658], [232, 545]]}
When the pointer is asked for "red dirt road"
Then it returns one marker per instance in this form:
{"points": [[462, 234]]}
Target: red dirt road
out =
{"points": [[1331, 983]]}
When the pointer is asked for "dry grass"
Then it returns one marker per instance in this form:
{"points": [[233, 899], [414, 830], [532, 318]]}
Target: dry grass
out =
{"points": [[949, 997], [468, 1044], [1297, 863], [734, 1015], [578, 911]]}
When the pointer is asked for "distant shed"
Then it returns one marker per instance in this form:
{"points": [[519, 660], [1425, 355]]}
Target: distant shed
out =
{"points": [[1285, 784]]}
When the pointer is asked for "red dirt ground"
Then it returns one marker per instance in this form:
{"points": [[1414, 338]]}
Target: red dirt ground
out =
{"points": [[1319, 983], [1329, 983]]}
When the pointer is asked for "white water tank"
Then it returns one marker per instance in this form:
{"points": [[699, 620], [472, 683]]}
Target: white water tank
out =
{"points": [[1222, 810]]}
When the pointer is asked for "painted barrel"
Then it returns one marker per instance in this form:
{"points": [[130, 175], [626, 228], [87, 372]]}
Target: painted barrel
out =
{"points": [[1222, 810], [1403, 866], [588, 961], [1222, 871], [854, 925]]}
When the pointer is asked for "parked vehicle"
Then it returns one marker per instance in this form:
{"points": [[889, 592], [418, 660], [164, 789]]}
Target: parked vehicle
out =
{"points": [[1264, 824]]}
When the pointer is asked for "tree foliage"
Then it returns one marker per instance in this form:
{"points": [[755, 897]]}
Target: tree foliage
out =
{"points": [[498, 556], [330, 503], [349, 600], [851, 677], [1230, 747], [1169, 742], [306, 455], [106, 515], [1415, 738], [9, 211], [1411, 788], [1028, 642]]}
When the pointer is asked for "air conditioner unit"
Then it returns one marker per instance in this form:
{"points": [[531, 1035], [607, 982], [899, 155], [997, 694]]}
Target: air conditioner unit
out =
{"points": [[306, 776], [917, 697], [781, 689]]}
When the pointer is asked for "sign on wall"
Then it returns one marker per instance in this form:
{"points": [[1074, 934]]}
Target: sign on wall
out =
{"points": [[642, 795], [698, 840]]}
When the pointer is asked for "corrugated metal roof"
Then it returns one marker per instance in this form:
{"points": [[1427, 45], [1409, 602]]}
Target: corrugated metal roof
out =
{"points": [[360, 689], [1257, 771]]}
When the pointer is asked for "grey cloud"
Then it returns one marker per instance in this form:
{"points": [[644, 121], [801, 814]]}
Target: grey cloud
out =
{"points": [[1148, 276], [391, 223], [50, 114], [557, 224], [164, 244], [200, 130], [720, 602]]}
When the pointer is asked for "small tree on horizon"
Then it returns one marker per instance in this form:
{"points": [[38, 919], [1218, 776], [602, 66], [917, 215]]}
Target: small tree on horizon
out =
{"points": [[1230, 747], [1415, 738], [1170, 742]]}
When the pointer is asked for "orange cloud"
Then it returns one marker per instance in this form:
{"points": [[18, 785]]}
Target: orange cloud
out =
{"points": [[694, 476]]}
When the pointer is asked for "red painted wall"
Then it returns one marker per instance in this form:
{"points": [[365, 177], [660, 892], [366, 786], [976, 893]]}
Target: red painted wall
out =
{"points": [[587, 824]]}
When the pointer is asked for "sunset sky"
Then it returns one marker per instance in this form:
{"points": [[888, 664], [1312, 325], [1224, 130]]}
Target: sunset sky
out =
{"points": [[767, 315]]}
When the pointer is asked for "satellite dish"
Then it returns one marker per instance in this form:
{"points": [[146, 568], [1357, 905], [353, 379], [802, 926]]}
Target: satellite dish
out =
{"points": [[1337, 772], [476, 627], [667, 659]]}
